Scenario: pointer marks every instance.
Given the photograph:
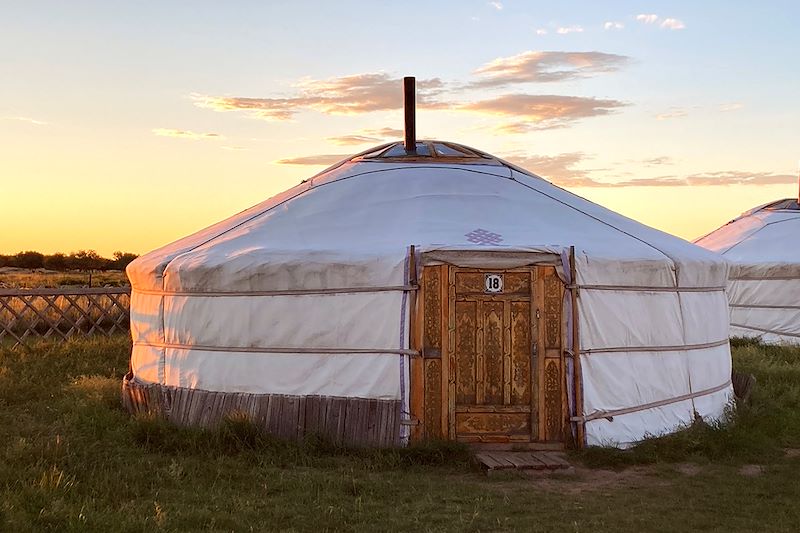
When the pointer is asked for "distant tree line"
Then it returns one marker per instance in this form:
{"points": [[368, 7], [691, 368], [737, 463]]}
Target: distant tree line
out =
{"points": [[86, 260]]}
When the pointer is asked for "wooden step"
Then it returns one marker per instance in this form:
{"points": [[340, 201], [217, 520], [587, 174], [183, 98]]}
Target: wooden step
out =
{"points": [[504, 460]]}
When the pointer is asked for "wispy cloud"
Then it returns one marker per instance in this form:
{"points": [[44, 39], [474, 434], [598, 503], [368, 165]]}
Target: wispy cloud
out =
{"points": [[536, 112], [367, 136], [185, 134], [541, 66], [564, 30], [497, 5], [673, 24], [233, 148], [613, 25], [658, 161], [561, 170], [29, 120], [667, 23], [347, 95], [313, 160], [673, 113], [731, 106], [541, 31]]}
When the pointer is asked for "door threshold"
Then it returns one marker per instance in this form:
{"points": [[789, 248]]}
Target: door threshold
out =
{"points": [[515, 446]]}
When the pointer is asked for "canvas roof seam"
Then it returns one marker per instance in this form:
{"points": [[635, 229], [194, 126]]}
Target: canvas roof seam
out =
{"points": [[311, 187], [662, 252], [756, 232]]}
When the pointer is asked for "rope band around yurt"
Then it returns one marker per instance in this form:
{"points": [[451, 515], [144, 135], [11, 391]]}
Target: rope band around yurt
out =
{"points": [[609, 415]]}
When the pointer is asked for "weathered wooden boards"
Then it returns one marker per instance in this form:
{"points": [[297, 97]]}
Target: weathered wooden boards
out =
{"points": [[500, 460], [27, 314], [346, 421]]}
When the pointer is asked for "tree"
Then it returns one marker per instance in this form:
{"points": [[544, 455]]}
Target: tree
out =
{"points": [[57, 261], [85, 260], [29, 260], [122, 259]]}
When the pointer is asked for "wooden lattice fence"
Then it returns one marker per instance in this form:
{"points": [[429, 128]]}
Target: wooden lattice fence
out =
{"points": [[30, 314]]}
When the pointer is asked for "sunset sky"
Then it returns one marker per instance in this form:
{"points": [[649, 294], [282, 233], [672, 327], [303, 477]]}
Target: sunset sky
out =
{"points": [[126, 125]]}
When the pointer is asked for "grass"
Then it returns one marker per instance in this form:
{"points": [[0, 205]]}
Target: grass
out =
{"points": [[49, 279], [72, 460]]}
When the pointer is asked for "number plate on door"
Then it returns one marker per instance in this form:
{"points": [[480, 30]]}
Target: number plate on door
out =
{"points": [[493, 283]]}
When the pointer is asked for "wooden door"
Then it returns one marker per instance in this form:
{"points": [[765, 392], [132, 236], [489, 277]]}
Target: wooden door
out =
{"points": [[492, 356], [492, 364]]}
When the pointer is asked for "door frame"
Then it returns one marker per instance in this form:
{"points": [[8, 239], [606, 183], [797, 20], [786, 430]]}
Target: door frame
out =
{"points": [[432, 393]]}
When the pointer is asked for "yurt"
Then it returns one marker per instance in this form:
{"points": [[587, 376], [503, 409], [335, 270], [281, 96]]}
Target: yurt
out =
{"points": [[764, 282], [428, 290]]}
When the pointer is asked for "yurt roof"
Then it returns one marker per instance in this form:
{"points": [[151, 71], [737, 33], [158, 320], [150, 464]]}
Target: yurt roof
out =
{"points": [[763, 235], [379, 202]]}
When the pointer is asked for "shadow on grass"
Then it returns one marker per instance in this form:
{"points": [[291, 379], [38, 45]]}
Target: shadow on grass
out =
{"points": [[238, 436]]}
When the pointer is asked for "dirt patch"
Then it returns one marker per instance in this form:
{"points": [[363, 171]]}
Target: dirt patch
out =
{"points": [[688, 469], [590, 479], [792, 452], [751, 470]]}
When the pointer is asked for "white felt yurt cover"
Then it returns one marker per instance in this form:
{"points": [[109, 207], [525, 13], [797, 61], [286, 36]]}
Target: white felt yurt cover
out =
{"points": [[307, 293], [764, 285]]}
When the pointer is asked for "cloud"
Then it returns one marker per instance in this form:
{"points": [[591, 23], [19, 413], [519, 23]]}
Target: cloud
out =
{"points": [[731, 106], [233, 148], [726, 177], [367, 136], [541, 111], [675, 113], [613, 25], [318, 160], [656, 161], [184, 134], [569, 29], [541, 31], [497, 5], [673, 24], [346, 95], [28, 120], [667, 23], [560, 169], [540, 66]]}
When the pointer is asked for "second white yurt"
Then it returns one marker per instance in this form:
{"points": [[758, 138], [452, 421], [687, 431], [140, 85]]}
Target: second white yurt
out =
{"points": [[764, 284]]}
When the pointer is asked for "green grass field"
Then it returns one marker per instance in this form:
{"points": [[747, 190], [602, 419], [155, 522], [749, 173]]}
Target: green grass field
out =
{"points": [[73, 460]]}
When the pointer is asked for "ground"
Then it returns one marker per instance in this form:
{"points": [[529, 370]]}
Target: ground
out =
{"points": [[71, 459]]}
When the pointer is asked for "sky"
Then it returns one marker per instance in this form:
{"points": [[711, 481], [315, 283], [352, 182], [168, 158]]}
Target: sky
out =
{"points": [[127, 125]]}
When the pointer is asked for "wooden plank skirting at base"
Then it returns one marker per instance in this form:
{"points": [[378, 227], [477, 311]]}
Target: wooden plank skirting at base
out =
{"points": [[344, 421]]}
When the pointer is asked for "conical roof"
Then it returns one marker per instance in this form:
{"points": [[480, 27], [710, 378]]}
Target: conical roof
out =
{"points": [[383, 200], [763, 235]]}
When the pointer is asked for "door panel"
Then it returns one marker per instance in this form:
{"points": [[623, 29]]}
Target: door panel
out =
{"points": [[492, 357]]}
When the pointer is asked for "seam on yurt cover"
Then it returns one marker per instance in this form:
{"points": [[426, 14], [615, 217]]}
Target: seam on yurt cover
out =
{"points": [[765, 330], [311, 187], [645, 406], [403, 411], [278, 349], [289, 292], [757, 232], [662, 252], [676, 348]]}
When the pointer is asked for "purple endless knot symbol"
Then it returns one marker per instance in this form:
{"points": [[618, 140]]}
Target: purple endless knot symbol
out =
{"points": [[481, 236]]}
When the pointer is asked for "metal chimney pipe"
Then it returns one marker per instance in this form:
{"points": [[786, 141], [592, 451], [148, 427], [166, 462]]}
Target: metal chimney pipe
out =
{"points": [[409, 106]]}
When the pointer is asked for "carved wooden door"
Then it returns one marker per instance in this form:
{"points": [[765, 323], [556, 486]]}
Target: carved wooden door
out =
{"points": [[491, 356]]}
